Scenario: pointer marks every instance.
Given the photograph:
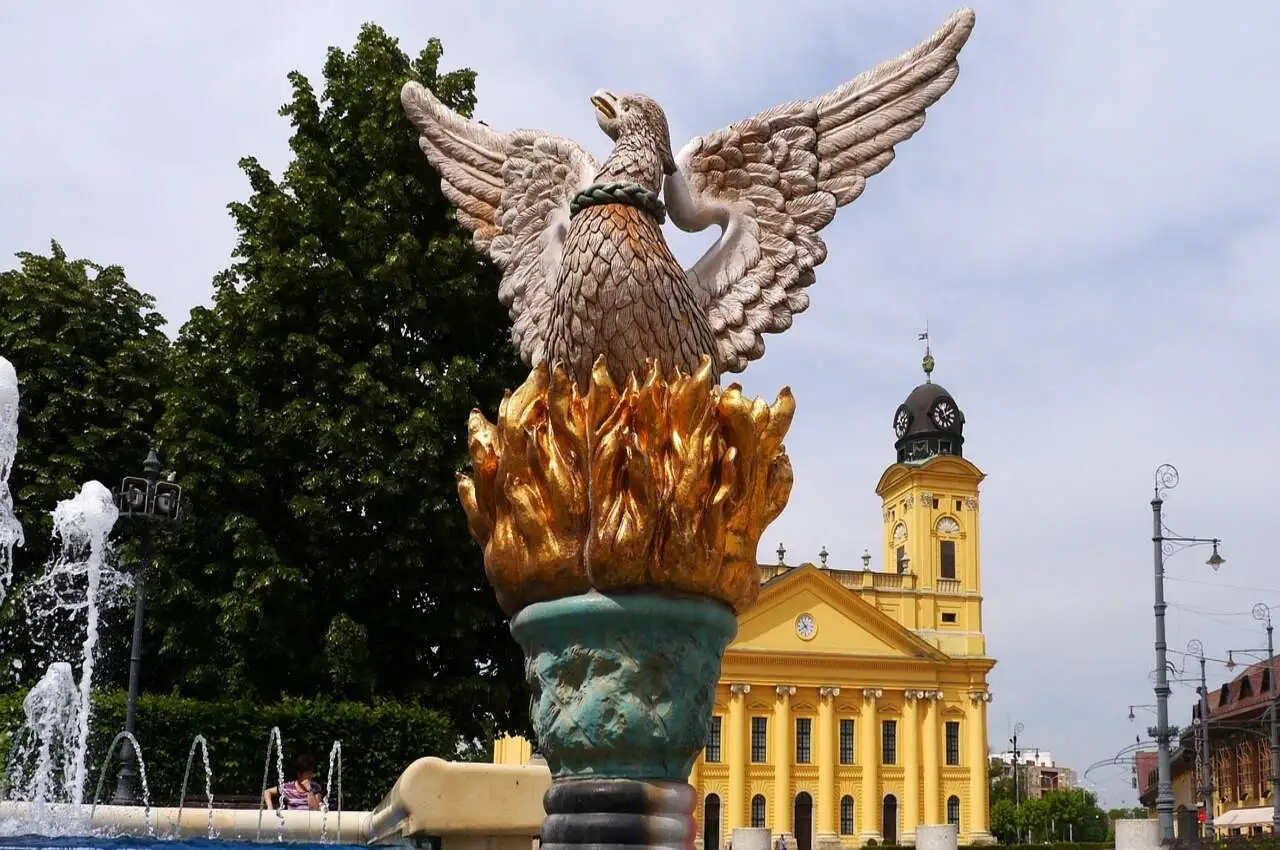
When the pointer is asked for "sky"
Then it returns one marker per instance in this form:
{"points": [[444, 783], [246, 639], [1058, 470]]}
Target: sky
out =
{"points": [[1085, 223]]}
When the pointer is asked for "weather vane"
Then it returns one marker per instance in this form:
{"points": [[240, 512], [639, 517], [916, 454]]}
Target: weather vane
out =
{"points": [[927, 363]]}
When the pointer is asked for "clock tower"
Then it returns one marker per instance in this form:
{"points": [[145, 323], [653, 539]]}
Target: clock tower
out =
{"points": [[931, 519]]}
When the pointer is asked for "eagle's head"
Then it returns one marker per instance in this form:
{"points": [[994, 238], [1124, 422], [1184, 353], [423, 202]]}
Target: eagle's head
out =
{"points": [[635, 118]]}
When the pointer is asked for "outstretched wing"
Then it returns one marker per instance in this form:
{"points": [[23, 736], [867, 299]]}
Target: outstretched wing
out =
{"points": [[772, 182], [512, 190]]}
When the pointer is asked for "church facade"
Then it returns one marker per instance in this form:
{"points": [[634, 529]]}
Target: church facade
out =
{"points": [[852, 704]]}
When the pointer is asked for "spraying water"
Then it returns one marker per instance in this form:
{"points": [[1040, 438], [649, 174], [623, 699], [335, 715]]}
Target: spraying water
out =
{"points": [[83, 525], [42, 763], [335, 757], [273, 738], [10, 528], [142, 772], [199, 741], [52, 762]]}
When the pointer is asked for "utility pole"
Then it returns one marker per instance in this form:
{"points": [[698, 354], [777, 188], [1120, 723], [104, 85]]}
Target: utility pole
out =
{"points": [[1195, 648], [1262, 612], [1164, 543]]}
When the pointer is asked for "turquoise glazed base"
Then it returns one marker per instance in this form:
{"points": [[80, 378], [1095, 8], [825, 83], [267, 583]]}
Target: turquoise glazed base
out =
{"points": [[622, 685]]}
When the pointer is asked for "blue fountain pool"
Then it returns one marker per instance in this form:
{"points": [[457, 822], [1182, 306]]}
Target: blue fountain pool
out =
{"points": [[74, 842]]}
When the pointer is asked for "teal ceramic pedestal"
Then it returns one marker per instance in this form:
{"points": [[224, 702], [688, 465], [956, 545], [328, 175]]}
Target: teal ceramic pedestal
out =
{"points": [[622, 691]]}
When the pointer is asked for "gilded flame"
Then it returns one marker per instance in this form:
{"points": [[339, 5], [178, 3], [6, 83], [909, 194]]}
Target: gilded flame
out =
{"points": [[662, 485]]}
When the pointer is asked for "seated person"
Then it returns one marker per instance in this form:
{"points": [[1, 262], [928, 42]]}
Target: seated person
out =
{"points": [[302, 793]]}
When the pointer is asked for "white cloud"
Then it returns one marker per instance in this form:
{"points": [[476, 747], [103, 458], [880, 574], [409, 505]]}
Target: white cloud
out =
{"points": [[1087, 221]]}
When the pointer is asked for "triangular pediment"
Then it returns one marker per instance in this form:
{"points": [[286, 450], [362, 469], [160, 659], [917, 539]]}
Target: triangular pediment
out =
{"points": [[843, 623], [939, 470]]}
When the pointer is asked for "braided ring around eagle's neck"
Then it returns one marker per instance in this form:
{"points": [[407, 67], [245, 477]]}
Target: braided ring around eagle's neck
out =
{"points": [[631, 194]]}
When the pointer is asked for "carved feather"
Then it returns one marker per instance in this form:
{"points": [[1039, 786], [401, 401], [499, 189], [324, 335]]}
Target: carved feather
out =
{"points": [[773, 181], [512, 190]]}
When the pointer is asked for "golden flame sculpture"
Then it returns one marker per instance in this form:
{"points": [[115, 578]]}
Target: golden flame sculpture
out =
{"points": [[661, 485]]}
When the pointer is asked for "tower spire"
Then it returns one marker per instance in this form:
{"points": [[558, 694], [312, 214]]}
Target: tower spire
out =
{"points": [[927, 362]]}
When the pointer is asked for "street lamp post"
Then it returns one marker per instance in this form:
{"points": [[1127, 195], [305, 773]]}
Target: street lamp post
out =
{"points": [[1196, 649], [150, 501], [1164, 543]]}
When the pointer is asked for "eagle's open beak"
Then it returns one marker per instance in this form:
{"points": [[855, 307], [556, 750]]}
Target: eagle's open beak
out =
{"points": [[602, 101]]}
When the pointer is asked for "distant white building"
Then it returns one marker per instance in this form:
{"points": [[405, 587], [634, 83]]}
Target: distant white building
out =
{"points": [[1039, 758]]}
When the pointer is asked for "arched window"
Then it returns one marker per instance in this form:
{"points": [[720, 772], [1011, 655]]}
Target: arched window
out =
{"points": [[757, 810], [711, 822], [846, 815], [953, 811]]}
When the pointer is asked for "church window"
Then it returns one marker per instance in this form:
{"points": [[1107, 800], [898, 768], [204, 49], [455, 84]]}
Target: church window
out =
{"points": [[888, 742], [953, 811], [900, 558], [948, 616], [713, 740], [948, 525], [846, 815], [804, 740], [759, 735], [935, 503], [959, 505], [944, 447], [947, 558], [846, 741], [953, 743], [757, 811]]}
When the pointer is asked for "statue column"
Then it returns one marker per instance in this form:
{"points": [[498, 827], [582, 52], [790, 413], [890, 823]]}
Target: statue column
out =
{"points": [[979, 831], [782, 756], [869, 758], [910, 766], [736, 809], [932, 764], [827, 764]]}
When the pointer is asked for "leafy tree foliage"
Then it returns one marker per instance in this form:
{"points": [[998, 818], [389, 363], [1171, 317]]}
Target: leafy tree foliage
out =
{"points": [[1064, 815], [92, 362], [318, 418]]}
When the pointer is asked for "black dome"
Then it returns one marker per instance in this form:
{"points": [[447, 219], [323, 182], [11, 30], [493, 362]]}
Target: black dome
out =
{"points": [[928, 423]]}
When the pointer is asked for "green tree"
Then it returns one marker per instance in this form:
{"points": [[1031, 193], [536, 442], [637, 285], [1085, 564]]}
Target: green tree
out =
{"points": [[1004, 820], [318, 418], [92, 362]]}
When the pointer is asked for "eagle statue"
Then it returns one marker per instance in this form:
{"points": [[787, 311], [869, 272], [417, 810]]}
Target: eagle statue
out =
{"points": [[586, 272]]}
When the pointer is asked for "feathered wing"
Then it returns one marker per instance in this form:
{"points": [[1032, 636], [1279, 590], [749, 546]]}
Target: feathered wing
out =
{"points": [[772, 182], [512, 190]]}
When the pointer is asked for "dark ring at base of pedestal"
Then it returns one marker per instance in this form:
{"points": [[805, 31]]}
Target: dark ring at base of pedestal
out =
{"points": [[617, 813]]}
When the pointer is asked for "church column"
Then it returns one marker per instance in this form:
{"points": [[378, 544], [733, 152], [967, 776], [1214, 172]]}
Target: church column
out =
{"points": [[929, 757], [736, 805], [782, 756], [979, 831], [910, 766], [827, 761], [869, 757]]}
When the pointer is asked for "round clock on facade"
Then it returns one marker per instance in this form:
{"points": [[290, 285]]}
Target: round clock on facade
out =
{"points": [[944, 413], [901, 420], [806, 626]]}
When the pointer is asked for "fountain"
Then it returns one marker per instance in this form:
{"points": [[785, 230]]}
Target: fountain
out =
{"points": [[273, 738], [198, 741], [335, 757], [116, 742], [51, 761], [10, 528]]}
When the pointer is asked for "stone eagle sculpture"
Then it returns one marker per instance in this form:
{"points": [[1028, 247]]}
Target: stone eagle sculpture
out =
{"points": [[586, 271]]}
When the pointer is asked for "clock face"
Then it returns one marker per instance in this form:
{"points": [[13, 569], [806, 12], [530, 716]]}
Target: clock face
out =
{"points": [[901, 421], [806, 628], [944, 413]]}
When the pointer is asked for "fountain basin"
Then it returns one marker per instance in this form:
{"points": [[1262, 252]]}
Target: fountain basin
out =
{"points": [[229, 824]]}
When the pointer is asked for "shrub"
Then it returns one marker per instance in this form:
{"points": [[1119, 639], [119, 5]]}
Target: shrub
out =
{"points": [[379, 740]]}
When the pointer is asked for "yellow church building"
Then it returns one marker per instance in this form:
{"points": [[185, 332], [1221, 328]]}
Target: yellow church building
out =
{"points": [[852, 705]]}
